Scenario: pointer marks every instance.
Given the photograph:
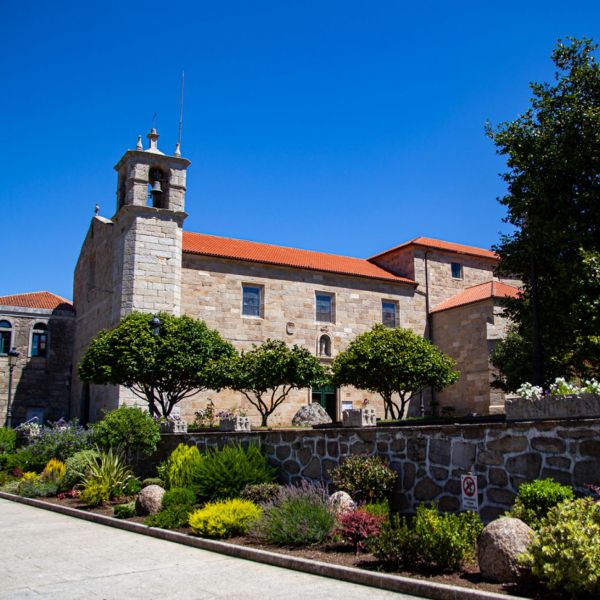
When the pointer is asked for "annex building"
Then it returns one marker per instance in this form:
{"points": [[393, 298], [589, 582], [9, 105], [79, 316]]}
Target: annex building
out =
{"points": [[143, 259]]}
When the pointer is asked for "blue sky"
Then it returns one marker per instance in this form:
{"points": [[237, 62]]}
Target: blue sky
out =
{"points": [[345, 127]]}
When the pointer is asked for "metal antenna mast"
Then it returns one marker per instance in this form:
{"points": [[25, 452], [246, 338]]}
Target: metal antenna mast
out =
{"points": [[178, 145]]}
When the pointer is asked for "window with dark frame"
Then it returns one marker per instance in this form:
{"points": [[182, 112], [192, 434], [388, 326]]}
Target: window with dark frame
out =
{"points": [[388, 313], [39, 340], [251, 301], [5, 337], [457, 271], [324, 308]]}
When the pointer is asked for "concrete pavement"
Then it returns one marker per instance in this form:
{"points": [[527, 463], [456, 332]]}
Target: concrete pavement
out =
{"points": [[48, 555]]}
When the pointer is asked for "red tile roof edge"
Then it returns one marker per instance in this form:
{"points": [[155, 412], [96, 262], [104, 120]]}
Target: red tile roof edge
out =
{"points": [[470, 295], [376, 272], [443, 246], [42, 300]]}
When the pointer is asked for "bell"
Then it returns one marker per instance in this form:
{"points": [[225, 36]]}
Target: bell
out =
{"points": [[156, 189]]}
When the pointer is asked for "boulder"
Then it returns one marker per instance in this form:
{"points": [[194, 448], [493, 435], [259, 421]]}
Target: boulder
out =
{"points": [[341, 502], [498, 547], [149, 500], [311, 414]]}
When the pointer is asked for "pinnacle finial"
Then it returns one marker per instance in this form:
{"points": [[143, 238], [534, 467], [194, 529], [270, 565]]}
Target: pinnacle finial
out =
{"points": [[97, 210], [139, 143], [177, 149], [153, 137]]}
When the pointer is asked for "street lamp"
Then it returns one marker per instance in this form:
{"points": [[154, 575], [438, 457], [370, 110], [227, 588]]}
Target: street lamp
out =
{"points": [[155, 325], [13, 355]]}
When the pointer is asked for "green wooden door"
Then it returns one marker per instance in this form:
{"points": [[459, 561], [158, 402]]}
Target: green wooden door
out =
{"points": [[326, 396]]}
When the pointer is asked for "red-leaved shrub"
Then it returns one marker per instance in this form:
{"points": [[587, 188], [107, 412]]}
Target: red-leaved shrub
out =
{"points": [[356, 526]]}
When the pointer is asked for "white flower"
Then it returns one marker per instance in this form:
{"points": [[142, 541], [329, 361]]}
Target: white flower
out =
{"points": [[530, 392]]}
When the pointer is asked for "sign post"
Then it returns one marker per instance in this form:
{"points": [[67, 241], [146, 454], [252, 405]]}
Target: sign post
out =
{"points": [[468, 484]]}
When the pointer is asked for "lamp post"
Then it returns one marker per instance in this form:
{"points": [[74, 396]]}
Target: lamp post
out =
{"points": [[13, 355]]}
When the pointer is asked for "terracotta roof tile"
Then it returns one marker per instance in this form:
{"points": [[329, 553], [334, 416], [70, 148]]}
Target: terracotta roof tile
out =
{"points": [[212, 245], [45, 300], [444, 246], [476, 293]]}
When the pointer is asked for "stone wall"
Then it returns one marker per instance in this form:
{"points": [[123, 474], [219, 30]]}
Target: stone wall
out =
{"points": [[430, 460]]}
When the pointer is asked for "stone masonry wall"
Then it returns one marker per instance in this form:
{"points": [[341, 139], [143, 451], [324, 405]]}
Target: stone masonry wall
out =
{"points": [[430, 460]]}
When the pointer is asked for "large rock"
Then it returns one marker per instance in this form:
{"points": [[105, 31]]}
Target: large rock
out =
{"points": [[149, 500], [341, 503], [311, 414], [499, 545]]}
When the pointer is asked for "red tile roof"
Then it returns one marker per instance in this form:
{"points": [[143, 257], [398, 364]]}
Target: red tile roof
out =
{"points": [[476, 293], [45, 300], [426, 242], [212, 245]]}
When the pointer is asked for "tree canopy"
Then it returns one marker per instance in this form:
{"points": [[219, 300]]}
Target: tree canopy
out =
{"points": [[183, 358], [267, 374], [393, 361], [553, 203]]}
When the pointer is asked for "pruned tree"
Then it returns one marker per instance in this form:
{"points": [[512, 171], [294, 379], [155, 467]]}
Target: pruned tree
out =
{"points": [[181, 358], [392, 361], [267, 374]]}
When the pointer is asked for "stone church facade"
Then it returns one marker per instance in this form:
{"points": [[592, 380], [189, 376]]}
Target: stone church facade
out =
{"points": [[142, 259]]}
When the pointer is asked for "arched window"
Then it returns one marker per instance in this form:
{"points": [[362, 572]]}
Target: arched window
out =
{"points": [[324, 345], [5, 337], [39, 340]]}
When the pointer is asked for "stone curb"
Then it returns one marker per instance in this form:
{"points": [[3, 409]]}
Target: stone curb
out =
{"points": [[395, 583]]}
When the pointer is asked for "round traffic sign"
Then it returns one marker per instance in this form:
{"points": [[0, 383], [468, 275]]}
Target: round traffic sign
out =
{"points": [[469, 486]]}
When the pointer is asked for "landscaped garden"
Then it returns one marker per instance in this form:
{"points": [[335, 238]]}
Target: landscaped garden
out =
{"points": [[548, 545]]}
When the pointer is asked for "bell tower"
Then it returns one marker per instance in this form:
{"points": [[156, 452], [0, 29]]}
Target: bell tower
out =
{"points": [[148, 229]]}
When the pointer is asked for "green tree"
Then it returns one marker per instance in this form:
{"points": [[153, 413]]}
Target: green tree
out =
{"points": [[183, 358], [267, 374], [393, 361], [553, 203]]}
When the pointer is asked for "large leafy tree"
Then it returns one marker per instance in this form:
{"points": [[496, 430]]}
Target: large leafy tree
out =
{"points": [[267, 374], [393, 361], [183, 358], [553, 203]]}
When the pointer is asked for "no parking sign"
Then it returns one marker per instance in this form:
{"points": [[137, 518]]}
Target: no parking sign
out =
{"points": [[468, 484]]}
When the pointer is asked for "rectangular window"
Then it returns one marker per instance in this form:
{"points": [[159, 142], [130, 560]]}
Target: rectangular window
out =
{"points": [[251, 301], [457, 271], [324, 306], [388, 313], [4, 342]]}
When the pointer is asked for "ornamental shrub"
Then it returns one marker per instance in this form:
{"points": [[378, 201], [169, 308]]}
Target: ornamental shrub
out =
{"points": [[76, 465], [177, 497], [565, 552], [299, 517], [179, 470], [25, 460], [261, 493], [366, 478], [124, 511], [35, 487], [173, 517], [536, 498], [8, 440], [54, 472], [356, 526], [132, 487], [153, 481], [430, 541], [107, 474], [96, 492], [224, 519], [378, 509], [128, 429], [60, 440], [225, 473]]}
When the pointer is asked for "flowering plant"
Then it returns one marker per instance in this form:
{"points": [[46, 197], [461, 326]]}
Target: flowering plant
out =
{"points": [[560, 387], [205, 417], [231, 413], [529, 391]]}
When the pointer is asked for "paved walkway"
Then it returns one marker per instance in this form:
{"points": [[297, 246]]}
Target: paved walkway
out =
{"points": [[44, 554]]}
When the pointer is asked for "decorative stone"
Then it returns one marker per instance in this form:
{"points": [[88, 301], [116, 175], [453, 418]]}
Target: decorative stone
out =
{"points": [[149, 500], [311, 414], [553, 407], [176, 426], [235, 424], [499, 545], [359, 417], [341, 503]]}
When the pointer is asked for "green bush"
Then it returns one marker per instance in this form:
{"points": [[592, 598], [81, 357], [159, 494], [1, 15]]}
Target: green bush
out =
{"points": [[299, 517], [261, 493], [8, 440], [366, 478], [132, 487], [124, 511], [535, 499], [76, 466], [128, 429], [34, 488], [179, 470], [178, 496], [107, 474], [224, 519], [96, 492], [174, 517], [429, 541], [225, 473], [153, 481], [565, 552], [59, 440], [25, 460], [378, 509]]}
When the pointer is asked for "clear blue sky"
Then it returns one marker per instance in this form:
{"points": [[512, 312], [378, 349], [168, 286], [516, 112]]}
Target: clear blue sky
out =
{"points": [[346, 127]]}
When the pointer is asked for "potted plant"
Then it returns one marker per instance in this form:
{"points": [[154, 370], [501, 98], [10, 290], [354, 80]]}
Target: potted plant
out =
{"points": [[233, 420]]}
